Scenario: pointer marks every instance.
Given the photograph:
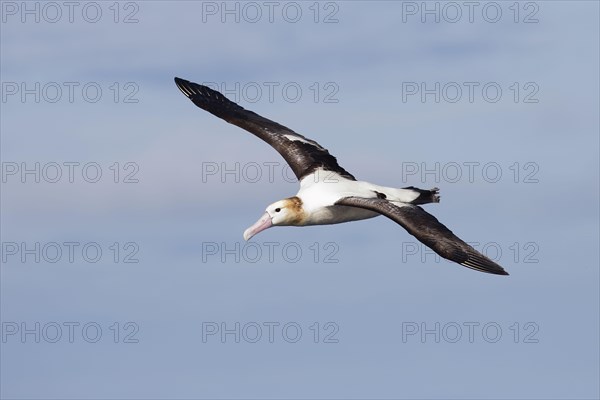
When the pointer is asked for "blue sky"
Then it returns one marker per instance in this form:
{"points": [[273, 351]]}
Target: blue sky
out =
{"points": [[379, 316]]}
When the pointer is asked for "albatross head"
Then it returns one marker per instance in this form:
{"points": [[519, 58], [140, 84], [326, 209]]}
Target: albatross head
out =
{"points": [[282, 212]]}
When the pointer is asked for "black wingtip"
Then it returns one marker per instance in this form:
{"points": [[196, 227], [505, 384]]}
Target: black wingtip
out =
{"points": [[184, 86], [493, 268], [208, 99], [500, 271], [197, 92], [484, 265]]}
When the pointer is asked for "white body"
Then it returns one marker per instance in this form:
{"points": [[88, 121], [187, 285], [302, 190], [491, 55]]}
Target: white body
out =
{"points": [[321, 190]]}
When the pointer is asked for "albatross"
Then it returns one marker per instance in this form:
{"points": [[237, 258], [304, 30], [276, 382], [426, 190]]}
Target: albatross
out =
{"points": [[331, 195]]}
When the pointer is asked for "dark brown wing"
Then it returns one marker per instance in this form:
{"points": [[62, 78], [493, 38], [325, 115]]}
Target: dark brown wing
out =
{"points": [[429, 231], [302, 154]]}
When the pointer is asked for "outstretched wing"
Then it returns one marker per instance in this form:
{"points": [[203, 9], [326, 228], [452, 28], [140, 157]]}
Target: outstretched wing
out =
{"points": [[302, 154], [429, 231]]}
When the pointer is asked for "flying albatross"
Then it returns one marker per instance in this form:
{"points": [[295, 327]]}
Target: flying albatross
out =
{"points": [[329, 194]]}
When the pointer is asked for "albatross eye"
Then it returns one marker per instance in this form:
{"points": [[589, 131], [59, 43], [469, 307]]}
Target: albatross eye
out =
{"points": [[277, 209]]}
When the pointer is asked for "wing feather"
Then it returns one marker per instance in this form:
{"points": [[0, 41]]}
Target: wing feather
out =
{"points": [[428, 230], [302, 154]]}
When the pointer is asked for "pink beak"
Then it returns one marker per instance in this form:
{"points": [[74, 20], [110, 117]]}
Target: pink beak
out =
{"points": [[263, 223]]}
